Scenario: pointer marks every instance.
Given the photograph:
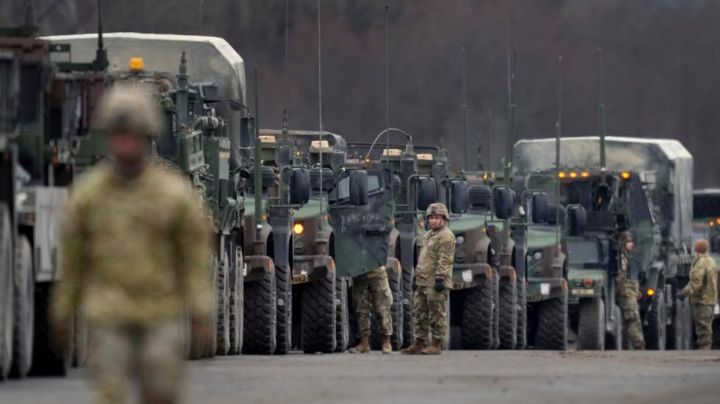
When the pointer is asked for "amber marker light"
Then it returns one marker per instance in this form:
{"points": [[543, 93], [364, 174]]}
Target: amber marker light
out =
{"points": [[651, 292], [625, 175], [298, 228], [136, 64], [573, 174], [562, 174], [585, 174]]}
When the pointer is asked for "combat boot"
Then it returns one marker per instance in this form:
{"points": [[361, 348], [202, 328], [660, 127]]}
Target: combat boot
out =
{"points": [[434, 349], [362, 347], [415, 348], [386, 344], [705, 347]]}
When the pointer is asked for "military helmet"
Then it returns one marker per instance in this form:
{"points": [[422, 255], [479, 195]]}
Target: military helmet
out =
{"points": [[131, 110], [437, 208]]}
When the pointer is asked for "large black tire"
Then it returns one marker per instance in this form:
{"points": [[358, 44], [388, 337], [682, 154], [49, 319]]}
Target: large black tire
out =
{"points": [[476, 330], [319, 315], [48, 358], [223, 302], [6, 293], [342, 315], [24, 316], [591, 325], [496, 310], [552, 328], [260, 316], [614, 339], [408, 330], [521, 314], [284, 310], [716, 334], [656, 319], [507, 321], [236, 302]]}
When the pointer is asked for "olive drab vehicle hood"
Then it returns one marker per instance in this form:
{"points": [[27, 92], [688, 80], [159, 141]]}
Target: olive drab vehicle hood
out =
{"points": [[209, 58]]}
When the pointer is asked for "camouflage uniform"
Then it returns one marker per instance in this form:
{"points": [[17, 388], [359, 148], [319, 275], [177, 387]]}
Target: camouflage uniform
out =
{"points": [[703, 292], [134, 255], [371, 292], [435, 262], [627, 294]]}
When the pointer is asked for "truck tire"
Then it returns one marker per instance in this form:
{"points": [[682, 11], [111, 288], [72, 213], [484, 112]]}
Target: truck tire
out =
{"points": [[284, 310], [591, 325], [24, 310], [716, 334], [656, 319], [408, 330], [319, 315], [507, 321], [476, 329], [48, 360], [236, 302], [260, 316], [6, 292], [689, 325], [342, 316], [223, 302], [552, 328], [496, 310], [521, 314], [679, 334], [614, 339]]}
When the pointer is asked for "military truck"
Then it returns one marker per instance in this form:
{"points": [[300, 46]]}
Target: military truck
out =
{"points": [[706, 225], [203, 124], [652, 200], [593, 254], [46, 131], [316, 298]]}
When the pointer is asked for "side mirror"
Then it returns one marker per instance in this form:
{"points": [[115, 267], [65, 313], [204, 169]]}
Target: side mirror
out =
{"points": [[480, 196], [358, 187], [267, 176], [458, 196], [539, 205], [426, 192], [328, 179], [299, 186], [577, 220], [503, 202], [396, 184]]}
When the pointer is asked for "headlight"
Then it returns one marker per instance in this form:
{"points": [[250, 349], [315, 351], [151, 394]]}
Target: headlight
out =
{"points": [[459, 241], [298, 228], [537, 256]]}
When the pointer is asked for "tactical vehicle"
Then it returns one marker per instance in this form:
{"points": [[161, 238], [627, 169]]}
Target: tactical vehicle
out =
{"points": [[651, 198], [706, 225], [315, 297], [46, 127], [201, 138]]}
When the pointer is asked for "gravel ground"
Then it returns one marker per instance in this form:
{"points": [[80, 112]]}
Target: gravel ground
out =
{"points": [[454, 377]]}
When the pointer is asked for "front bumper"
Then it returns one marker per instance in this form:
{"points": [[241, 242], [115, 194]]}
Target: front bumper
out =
{"points": [[539, 289], [465, 276], [307, 268]]}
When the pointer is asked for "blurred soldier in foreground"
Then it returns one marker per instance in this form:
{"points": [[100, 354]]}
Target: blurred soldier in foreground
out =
{"points": [[702, 289], [433, 283], [371, 293], [627, 290], [134, 253]]}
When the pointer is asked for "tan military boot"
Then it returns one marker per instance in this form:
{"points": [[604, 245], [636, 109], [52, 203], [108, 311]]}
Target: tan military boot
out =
{"points": [[386, 344], [415, 348], [362, 347], [434, 349]]}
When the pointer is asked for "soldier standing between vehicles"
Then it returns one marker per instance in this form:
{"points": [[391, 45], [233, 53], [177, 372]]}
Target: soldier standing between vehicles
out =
{"points": [[134, 255], [627, 292], [433, 283], [703, 292], [371, 293]]}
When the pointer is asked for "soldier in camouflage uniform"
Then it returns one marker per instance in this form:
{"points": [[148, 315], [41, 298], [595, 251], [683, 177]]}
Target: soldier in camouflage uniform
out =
{"points": [[703, 291], [627, 293], [371, 293], [134, 255], [433, 283]]}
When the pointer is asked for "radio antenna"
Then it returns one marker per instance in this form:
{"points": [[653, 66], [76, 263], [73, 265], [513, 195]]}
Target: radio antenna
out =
{"points": [[285, 64], [601, 106], [101, 60], [558, 137], [463, 107], [320, 110]]}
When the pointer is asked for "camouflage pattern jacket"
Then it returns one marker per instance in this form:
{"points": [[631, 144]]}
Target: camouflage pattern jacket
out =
{"points": [[702, 287], [133, 251], [436, 257]]}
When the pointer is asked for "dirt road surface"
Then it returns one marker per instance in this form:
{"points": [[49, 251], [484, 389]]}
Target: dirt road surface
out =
{"points": [[454, 377]]}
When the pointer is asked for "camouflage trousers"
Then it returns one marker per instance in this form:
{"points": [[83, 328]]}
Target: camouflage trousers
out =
{"points": [[703, 314], [371, 294], [430, 313], [627, 300], [151, 356]]}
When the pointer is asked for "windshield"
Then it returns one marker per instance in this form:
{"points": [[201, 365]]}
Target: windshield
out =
{"points": [[583, 252]]}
